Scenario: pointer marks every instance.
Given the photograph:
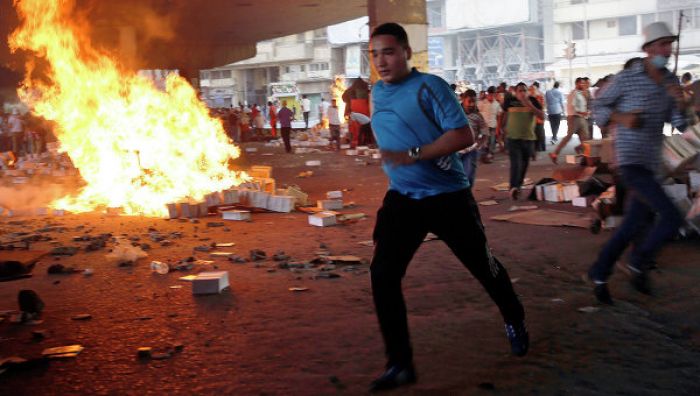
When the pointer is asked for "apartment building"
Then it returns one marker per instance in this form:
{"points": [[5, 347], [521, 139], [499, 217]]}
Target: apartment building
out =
{"points": [[606, 33]]}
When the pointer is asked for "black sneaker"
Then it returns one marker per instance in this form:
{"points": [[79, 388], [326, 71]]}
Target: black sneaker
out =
{"points": [[640, 282], [519, 338], [600, 289], [602, 293], [394, 377]]}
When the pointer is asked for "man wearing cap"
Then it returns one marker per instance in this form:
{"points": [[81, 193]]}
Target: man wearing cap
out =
{"points": [[639, 100], [577, 120]]}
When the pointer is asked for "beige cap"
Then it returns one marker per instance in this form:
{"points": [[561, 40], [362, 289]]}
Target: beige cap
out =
{"points": [[657, 31]]}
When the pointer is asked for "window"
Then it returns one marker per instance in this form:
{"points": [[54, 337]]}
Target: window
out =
{"points": [[627, 25], [324, 66], [578, 1], [688, 20], [648, 19], [302, 67], [301, 37], [203, 75], [216, 74], [611, 23], [696, 18], [577, 31], [667, 16], [287, 69], [226, 74], [313, 67], [434, 13]]}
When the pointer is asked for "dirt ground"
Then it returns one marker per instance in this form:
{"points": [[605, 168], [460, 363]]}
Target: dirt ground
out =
{"points": [[260, 338]]}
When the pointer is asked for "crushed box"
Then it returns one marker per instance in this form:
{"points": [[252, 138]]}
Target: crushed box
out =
{"points": [[239, 215], [211, 282], [322, 219], [330, 204]]}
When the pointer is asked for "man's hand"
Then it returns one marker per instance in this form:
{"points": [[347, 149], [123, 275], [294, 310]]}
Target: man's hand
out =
{"points": [[676, 92], [397, 158], [629, 120]]}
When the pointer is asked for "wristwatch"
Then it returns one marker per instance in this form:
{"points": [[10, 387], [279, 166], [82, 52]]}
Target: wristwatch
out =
{"points": [[414, 153]]}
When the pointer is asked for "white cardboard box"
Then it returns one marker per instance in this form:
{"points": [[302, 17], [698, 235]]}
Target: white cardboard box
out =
{"points": [[213, 199], [573, 159], [322, 219], [235, 215], [281, 203], [212, 282], [334, 195], [258, 199], [230, 197], [344, 146], [676, 192], [583, 202], [173, 210], [694, 178], [313, 163], [350, 152], [189, 210], [330, 204]]}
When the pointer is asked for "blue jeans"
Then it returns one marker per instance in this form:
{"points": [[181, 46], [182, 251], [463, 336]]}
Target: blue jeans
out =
{"points": [[469, 161], [645, 197], [519, 151]]}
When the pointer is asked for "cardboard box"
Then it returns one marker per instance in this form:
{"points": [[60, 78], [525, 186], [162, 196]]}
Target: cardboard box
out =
{"points": [[322, 219], [240, 215], [230, 197], [569, 192], [573, 159], [694, 181], [281, 203], [301, 197], [583, 202], [212, 282], [591, 148], [344, 146], [376, 156], [313, 163], [539, 190], [258, 199], [261, 171], [213, 199], [677, 192], [203, 209], [173, 210], [330, 204], [334, 195], [189, 210], [350, 152], [677, 153], [607, 152]]}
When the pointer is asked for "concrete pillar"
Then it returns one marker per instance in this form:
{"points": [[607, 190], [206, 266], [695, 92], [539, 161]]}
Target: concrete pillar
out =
{"points": [[411, 14]]}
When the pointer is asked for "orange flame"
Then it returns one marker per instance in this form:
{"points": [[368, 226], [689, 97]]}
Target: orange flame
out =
{"points": [[136, 147], [337, 89]]}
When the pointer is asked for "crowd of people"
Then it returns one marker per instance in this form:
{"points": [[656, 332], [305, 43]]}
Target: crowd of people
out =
{"points": [[23, 134]]}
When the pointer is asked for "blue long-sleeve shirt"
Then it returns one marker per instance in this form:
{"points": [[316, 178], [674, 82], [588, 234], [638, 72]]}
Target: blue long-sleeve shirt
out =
{"points": [[632, 90], [554, 101]]}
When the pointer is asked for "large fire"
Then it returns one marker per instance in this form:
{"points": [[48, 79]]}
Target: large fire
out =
{"points": [[337, 89], [137, 147]]}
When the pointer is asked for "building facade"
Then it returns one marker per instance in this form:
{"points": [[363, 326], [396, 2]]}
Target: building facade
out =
{"points": [[606, 33], [288, 67]]}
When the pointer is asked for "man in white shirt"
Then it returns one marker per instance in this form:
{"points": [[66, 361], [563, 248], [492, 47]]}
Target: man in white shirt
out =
{"points": [[334, 123], [490, 109], [323, 112], [305, 109], [577, 120]]}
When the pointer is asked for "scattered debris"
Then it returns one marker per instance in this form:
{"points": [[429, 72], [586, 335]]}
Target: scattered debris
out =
{"points": [[522, 207], [257, 255], [84, 316], [64, 251], [489, 202], [30, 304], [589, 309], [202, 248], [280, 256], [63, 352], [55, 269], [160, 267], [298, 289], [211, 282]]}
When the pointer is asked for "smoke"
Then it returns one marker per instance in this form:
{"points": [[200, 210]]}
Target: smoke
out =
{"points": [[27, 198]]}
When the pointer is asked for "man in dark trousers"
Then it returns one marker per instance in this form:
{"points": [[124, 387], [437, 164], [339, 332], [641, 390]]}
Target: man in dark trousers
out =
{"points": [[419, 127], [639, 100], [286, 116]]}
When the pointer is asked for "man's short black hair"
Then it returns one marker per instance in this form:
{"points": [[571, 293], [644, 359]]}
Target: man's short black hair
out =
{"points": [[686, 76], [579, 79], [536, 84], [491, 89], [556, 84], [392, 29], [470, 93], [521, 84]]}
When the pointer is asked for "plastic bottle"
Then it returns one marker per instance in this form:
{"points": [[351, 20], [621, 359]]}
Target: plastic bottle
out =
{"points": [[160, 267]]}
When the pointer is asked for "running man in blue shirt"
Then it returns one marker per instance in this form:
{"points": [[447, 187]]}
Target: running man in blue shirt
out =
{"points": [[419, 126]]}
